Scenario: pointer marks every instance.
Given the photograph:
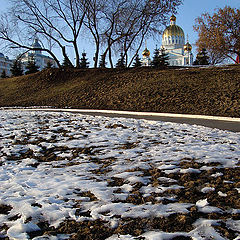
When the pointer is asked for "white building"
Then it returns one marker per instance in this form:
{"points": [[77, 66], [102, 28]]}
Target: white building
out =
{"points": [[173, 44], [173, 41], [36, 55], [5, 65]]}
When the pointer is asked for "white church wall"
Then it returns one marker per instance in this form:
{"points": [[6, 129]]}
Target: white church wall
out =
{"points": [[173, 42]]}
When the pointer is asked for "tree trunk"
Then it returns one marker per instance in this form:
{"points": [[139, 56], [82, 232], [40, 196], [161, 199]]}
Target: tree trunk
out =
{"points": [[96, 54], [76, 54], [65, 55], [110, 57]]}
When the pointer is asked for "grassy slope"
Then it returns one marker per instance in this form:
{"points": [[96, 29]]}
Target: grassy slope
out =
{"points": [[210, 91]]}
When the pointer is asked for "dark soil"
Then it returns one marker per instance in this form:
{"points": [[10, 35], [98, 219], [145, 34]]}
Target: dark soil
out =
{"points": [[5, 209], [208, 91]]}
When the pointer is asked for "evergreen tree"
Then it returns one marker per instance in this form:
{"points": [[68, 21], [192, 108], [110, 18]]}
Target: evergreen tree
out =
{"points": [[202, 58], [66, 63], [137, 62], [16, 68], [102, 62], [31, 66], [163, 57], [83, 61], [3, 75], [121, 62], [156, 62]]}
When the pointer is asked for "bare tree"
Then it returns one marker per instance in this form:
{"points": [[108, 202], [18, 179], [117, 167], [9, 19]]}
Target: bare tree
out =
{"points": [[102, 18], [123, 24], [10, 33], [148, 20], [94, 23], [58, 21], [114, 24]]}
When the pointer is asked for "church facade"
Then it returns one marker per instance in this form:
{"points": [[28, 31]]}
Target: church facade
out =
{"points": [[173, 43], [40, 59]]}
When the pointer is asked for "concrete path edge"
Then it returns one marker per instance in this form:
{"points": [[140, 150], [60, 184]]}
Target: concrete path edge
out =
{"points": [[172, 115]]}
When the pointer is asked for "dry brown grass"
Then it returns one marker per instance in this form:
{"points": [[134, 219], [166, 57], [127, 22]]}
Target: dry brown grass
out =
{"points": [[209, 91]]}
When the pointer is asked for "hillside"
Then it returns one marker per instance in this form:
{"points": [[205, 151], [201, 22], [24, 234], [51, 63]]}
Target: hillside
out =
{"points": [[208, 91]]}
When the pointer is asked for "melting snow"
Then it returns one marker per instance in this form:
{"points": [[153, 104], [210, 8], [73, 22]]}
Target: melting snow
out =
{"points": [[51, 162]]}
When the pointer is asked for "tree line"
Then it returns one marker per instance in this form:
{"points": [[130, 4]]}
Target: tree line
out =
{"points": [[113, 26], [160, 60], [17, 68]]}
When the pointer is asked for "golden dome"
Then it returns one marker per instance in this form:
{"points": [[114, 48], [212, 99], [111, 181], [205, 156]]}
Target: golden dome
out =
{"points": [[188, 47], [173, 30], [146, 53]]}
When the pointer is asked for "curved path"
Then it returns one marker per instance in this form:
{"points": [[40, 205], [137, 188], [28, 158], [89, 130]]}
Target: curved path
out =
{"points": [[230, 124], [224, 123]]}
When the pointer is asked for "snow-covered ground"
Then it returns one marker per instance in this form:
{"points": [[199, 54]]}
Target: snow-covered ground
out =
{"points": [[174, 180]]}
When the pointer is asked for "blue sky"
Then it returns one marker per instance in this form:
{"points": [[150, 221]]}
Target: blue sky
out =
{"points": [[186, 16], [191, 9]]}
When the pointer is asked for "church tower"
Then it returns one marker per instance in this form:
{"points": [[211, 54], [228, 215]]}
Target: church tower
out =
{"points": [[173, 36], [146, 61], [36, 44], [173, 41]]}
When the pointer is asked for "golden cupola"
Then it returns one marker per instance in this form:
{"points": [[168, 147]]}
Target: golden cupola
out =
{"points": [[146, 53], [188, 47]]}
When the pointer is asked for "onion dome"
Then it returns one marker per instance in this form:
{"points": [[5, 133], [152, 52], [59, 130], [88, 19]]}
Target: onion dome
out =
{"points": [[36, 44], [188, 47], [146, 53]]}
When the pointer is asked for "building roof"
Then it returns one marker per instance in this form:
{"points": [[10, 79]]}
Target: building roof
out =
{"points": [[173, 29], [36, 44], [146, 53]]}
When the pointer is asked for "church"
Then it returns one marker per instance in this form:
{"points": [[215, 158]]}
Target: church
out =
{"points": [[173, 43], [40, 59]]}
